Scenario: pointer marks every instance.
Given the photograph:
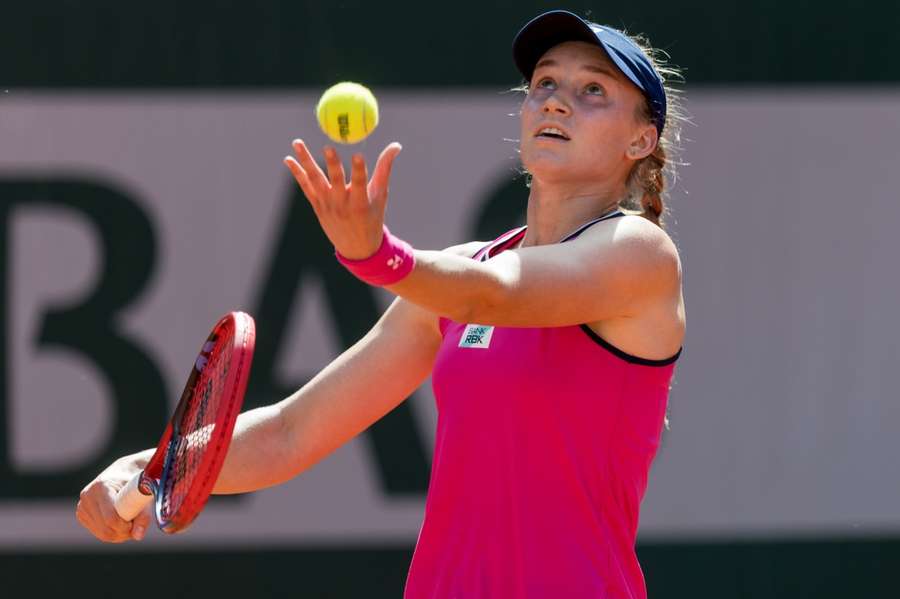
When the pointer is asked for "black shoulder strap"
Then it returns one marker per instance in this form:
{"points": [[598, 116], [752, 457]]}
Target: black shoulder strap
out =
{"points": [[512, 237], [582, 228]]}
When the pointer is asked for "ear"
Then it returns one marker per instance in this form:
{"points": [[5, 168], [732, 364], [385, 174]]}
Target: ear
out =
{"points": [[644, 142]]}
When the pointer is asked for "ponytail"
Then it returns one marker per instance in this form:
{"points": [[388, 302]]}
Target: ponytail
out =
{"points": [[651, 184], [648, 181]]}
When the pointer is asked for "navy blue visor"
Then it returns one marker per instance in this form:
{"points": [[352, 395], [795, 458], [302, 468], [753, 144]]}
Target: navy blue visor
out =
{"points": [[558, 26]]}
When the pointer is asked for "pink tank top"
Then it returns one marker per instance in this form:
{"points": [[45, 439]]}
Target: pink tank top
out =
{"points": [[544, 441]]}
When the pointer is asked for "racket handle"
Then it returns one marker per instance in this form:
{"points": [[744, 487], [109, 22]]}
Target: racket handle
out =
{"points": [[131, 500]]}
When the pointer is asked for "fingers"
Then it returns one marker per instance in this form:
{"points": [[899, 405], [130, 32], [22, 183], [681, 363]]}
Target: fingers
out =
{"points": [[96, 512], [359, 177], [336, 175], [378, 186], [332, 191], [140, 524], [302, 180], [319, 186]]}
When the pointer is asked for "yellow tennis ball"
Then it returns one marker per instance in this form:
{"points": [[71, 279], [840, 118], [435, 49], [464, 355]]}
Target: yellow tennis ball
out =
{"points": [[347, 112]]}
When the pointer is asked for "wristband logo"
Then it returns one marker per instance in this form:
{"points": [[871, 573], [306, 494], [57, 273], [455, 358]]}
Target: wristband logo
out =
{"points": [[395, 262]]}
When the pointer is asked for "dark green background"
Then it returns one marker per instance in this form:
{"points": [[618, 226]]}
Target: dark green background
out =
{"points": [[771, 570], [312, 43], [244, 46]]}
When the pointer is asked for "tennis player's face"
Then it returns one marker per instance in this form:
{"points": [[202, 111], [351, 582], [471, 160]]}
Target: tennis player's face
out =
{"points": [[593, 107]]}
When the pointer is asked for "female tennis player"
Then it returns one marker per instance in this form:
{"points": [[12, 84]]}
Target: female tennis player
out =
{"points": [[552, 347]]}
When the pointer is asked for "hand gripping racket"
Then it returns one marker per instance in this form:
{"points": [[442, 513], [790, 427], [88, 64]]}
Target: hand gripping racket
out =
{"points": [[190, 454]]}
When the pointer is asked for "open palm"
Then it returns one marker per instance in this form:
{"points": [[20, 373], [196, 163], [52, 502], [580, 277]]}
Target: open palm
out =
{"points": [[351, 214]]}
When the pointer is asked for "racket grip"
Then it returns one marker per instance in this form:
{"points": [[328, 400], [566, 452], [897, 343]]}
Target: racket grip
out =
{"points": [[131, 500]]}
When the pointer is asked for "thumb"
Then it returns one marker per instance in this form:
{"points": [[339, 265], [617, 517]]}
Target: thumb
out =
{"points": [[378, 186], [140, 524]]}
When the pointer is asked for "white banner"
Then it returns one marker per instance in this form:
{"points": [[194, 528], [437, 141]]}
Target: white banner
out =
{"points": [[786, 217]]}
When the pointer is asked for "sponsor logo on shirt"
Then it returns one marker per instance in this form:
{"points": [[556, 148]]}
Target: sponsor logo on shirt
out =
{"points": [[476, 335]]}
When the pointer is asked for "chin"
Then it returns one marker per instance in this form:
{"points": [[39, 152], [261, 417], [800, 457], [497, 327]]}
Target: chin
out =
{"points": [[553, 168]]}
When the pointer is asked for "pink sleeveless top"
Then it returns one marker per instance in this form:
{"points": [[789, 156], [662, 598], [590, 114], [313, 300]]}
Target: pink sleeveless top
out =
{"points": [[544, 441]]}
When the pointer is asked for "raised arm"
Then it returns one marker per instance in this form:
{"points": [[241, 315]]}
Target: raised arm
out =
{"points": [[615, 269]]}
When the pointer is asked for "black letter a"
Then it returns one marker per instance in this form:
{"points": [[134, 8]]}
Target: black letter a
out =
{"points": [[303, 251]]}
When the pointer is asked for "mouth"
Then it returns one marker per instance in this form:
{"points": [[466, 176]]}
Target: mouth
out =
{"points": [[551, 132]]}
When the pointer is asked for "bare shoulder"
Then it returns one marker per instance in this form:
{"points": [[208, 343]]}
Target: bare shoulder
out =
{"points": [[643, 266], [637, 244], [637, 231]]}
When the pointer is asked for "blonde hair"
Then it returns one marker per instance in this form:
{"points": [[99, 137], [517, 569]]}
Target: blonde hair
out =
{"points": [[651, 176]]}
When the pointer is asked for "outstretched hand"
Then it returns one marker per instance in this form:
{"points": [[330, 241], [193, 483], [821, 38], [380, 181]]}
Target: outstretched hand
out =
{"points": [[351, 214]]}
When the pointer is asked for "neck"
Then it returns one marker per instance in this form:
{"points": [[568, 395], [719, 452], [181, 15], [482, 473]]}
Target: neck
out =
{"points": [[555, 211]]}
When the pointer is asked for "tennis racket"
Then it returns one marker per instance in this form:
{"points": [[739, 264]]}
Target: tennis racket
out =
{"points": [[184, 468]]}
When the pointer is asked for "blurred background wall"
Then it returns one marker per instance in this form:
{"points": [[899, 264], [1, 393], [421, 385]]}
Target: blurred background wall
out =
{"points": [[142, 195]]}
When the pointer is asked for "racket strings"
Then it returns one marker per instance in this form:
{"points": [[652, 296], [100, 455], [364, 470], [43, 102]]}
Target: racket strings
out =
{"points": [[197, 424]]}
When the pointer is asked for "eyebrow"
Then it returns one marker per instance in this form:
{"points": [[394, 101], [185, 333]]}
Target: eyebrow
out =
{"points": [[549, 62]]}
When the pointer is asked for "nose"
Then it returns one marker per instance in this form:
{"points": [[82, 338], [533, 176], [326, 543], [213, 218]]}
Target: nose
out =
{"points": [[554, 104]]}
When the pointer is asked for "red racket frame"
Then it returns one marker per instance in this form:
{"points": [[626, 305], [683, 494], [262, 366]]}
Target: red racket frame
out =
{"points": [[242, 328]]}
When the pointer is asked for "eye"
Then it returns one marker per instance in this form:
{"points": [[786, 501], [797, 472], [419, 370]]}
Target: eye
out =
{"points": [[545, 83], [594, 89]]}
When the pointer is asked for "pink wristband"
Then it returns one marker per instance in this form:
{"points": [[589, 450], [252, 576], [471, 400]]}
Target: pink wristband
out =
{"points": [[392, 262]]}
